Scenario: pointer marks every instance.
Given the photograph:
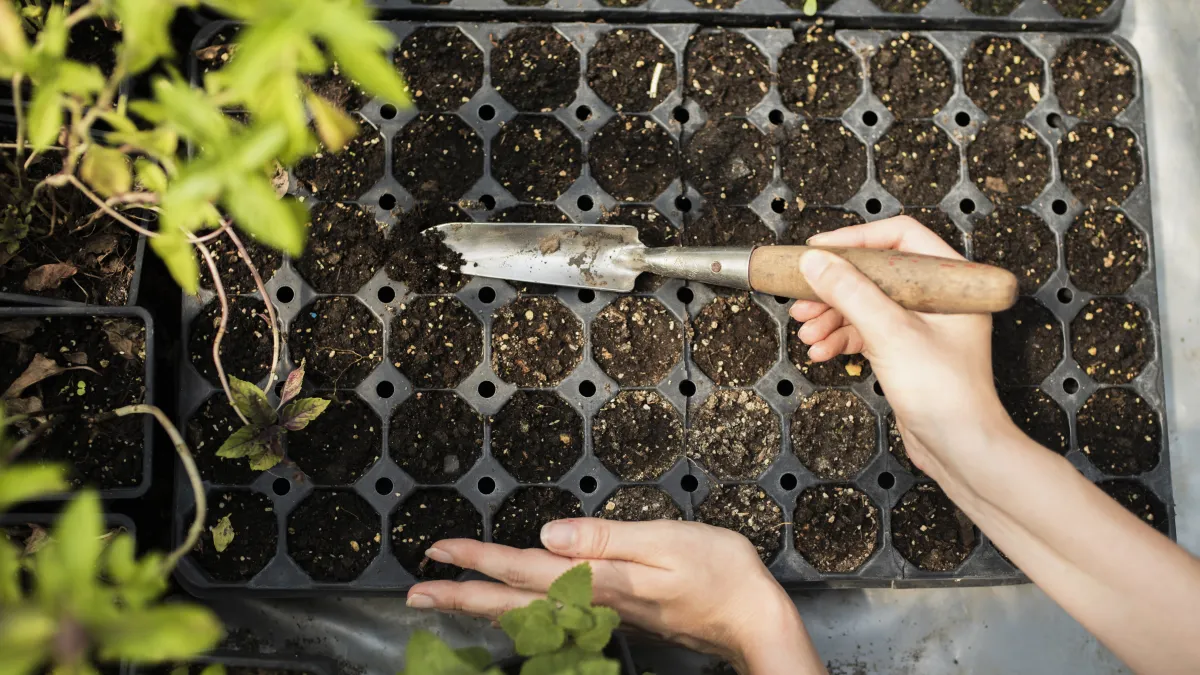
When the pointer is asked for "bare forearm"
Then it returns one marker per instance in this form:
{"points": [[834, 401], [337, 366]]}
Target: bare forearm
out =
{"points": [[782, 645]]}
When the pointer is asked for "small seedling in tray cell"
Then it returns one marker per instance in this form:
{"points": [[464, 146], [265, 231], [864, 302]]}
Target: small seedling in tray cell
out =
{"points": [[261, 440]]}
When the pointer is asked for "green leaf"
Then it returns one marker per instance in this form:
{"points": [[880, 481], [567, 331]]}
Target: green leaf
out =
{"points": [[79, 78], [293, 383], [150, 175], [570, 661], [358, 49], [334, 127], [45, 117], [532, 628], [28, 481], [213, 669], [574, 587], [298, 414], [260, 212], [476, 657], [121, 558], [26, 636], [252, 402], [52, 39], [190, 111], [272, 456], [13, 45], [244, 442], [574, 618], [605, 622], [77, 540], [156, 634], [599, 667], [810, 7], [145, 27], [180, 258], [425, 654], [10, 573], [222, 534], [147, 583], [106, 170]]}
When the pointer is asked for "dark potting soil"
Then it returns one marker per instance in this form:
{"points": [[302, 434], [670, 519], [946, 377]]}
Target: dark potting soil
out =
{"points": [[422, 262], [991, 7], [518, 522], [718, 224], [99, 454], [536, 342], [938, 221], [530, 213], [207, 429], [1106, 252], [1020, 242], [425, 518], [833, 434], [1009, 163], [901, 6], [734, 340], [805, 222], [235, 275], [219, 50], [1093, 79], [437, 157], [1100, 163], [1139, 501], [245, 347], [1038, 416], [726, 73], [735, 434], [333, 535], [930, 531], [638, 435], [442, 66], [1119, 432], [749, 511], [837, 528], [343, 92], [340, 446], [729, 160], [344, 175], [435, 436], [917, 163], [436, 341], [345, 248], [535, 158], [94, 43], [633, 158], [1003, 77], [1080, 9], [535, 69], [818, 76], [537, 436], [910, 75], [631, 70], [1027, 343], [639, 503], [896, 446], [637, 341], [823, 162], [839, 371], [254, 535], [341, 340], [1110, 339]]}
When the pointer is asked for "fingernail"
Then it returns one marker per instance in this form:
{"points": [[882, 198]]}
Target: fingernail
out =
{"points": [[420, 602], [558, 535], [817, 238], [813, 263], [440, 556]]}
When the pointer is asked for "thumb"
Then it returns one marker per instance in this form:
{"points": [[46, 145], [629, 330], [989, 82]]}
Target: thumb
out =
{"points": [[841, 286]]}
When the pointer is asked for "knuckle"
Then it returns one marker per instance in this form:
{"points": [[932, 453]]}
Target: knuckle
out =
{"points": [[597, 539]]}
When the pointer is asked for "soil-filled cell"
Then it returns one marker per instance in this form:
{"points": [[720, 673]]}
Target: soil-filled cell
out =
{"points": [[337, 88], [245, 347], [519, 521], [339, 338], [901, 6], [637, 341], [911, 76], [823, 162], [333, 535], [726, 73], [1139, 501], [255, 532], [1009, 163], [639, 503], [1027, 343], [340, 446], [1003, 77], [425, 518], [423, 262], [729, 160], [1106, 252], [1110, 339], [1100, 163], [734, 434], [536, 342], [535, 69], [654, 229], [896, 446], [436, 341], [235, 275], [819, 76], [207, 429], [917, 162], [734, 340], [1020, 242], [530, 213], [1081, 9], [638, 435], [833, 434], [991, 7], [718, 224], [750, 512], [631, 70], [837, 528], [537, 436], [345, 248], [535, 158], [812, 220], [1038, 416], [442, 66], [344, 175], [840, 371], [1119, 432], [633, 158], [437, 157], [930, 531], [941, 224], [435, 437], [1093, 79]]}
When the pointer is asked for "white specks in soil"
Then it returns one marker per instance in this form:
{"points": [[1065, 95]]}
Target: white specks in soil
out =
{"points": [[734, 434]]}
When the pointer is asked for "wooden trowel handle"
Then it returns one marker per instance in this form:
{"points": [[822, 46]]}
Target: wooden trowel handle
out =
{"points": [[917, 282]]}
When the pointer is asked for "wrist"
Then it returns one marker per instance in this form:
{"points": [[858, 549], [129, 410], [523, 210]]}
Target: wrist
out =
{"points": [[775, 641]]}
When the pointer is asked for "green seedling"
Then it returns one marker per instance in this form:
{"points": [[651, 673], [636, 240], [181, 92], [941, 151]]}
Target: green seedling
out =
{"points": [[261, 439]]}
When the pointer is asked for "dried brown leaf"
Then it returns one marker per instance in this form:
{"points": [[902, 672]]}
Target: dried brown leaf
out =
{"points": [[49, 276]]}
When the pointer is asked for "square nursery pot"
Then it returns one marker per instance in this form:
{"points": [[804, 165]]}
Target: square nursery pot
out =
{"points": [[118, 343], [473, 407]]}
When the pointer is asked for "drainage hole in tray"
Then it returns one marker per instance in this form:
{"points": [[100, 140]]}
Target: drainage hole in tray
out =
{"points": [[281, 486], [886, 480], [587, 484], [687, 388], [488, 201], [689, 483], [487, 389], [782, 300], [776, 116], [874, 206], [487, 295], [685, 295], [385, 389], [486, 485], [583, 113], [788, 481], [1065, 295], [388, 111], [785, 387], [870, 118], [878, 388], [587, 389], [963, 119], [586, 295], [584, 203], [486, 112], [681, 115], [1059, 206], [387, 202], [386, 294], [967, 206], [683, 203], [1054, 120], [383, 486], [778, 205], [1070, 385], [285, 294]]}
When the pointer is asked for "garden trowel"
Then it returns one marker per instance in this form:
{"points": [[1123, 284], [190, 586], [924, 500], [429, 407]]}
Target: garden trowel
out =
{"points": [[610, 258]]}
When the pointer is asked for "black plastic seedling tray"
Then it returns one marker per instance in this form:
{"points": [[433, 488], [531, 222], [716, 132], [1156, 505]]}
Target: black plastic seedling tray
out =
{"points": [[254, 663], [587, 388]]}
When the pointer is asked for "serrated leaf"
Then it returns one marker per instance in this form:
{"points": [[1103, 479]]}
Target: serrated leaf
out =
{"points": [[532, 628], [298, 414], [425, 654], [28, 481], [292, 385], [156, 634], [268, 459], [222, 534], [570, 661], [252, 402], [262, 214], [244, 442], [150, 175], [45, 117], [574, 618], [178, 255], [334, 127], [605, 621], [106, 170], [573, 587]]}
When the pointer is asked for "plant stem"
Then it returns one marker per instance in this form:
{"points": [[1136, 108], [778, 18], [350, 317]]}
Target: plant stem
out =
{"points": [[216, 347], [112, 213], [18, 106], [262, 289]]}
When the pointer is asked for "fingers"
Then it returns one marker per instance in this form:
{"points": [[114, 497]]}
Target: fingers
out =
{"points": [[902, 233], [845, 340], [529, 569], [805, 310], [860, 301], [648, 543], [819, 328], [477, 598]]}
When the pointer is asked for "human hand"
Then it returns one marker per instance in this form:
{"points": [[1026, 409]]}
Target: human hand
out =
{"points": [[700, 586]]}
